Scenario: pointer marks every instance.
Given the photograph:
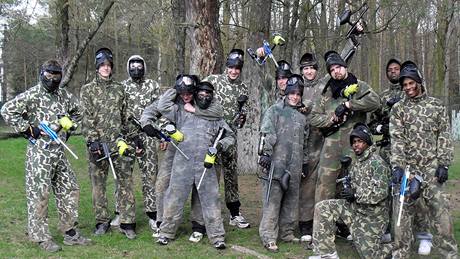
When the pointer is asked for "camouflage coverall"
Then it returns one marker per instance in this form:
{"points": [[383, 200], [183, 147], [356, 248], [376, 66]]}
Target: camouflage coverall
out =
{"points": [[214, 112], [227, 93], [337, 145], [185, 175], [420, 138], [46, 164], [285, 130], [366, 216], [103, 105], [140, 95]]}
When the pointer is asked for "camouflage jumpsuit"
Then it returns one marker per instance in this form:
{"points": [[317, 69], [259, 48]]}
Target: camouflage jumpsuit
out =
{"points": [[185, 175], [140, 95], [337, 145], [285, 130], [420, 138], [46, 164], [227, 93], [103, 105], [366, 216]]}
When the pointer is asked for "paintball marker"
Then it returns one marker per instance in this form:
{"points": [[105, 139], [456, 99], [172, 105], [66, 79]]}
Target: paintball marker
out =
{"points": [[344, 18], [240, 118], [277, 41], [54, 137], [165, 136], [402, 193], [108, 155], [210, 157]]}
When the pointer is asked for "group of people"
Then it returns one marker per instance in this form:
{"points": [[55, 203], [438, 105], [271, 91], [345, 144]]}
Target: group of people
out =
{"points": [[322, 173]]}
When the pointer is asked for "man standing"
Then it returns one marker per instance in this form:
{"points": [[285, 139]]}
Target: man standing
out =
{"points": [[421, 141], [47, 166], [103, 105], [362, 205], [228, 88], [140, 92]]}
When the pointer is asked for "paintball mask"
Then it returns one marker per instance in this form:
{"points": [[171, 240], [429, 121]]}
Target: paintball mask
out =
{"points": [[50, 75], [185, 84], [235, 59], [204, 94], [136, 67]]}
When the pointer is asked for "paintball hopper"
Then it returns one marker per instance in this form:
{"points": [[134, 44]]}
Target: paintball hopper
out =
{"points": [[278, 40]]}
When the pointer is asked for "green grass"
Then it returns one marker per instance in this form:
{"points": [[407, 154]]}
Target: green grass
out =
{"points": [[13, 218]]}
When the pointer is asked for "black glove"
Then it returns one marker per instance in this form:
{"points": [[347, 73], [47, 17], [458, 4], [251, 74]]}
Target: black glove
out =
{"points": [[265, 161], [341, 110], [219, 147], [151, 131], [241, 120], [305, 171], [32, 132], [138, 142], [414, 189], [347, 194], [398, 174], [392, 101], [442, 174], [95, 147]]}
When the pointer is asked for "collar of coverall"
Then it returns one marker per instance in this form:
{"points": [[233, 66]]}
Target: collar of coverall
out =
{"points": [[310, 83], [395, 87], [236, 81], [56, 92], [137, 82], [102, 81], [418, 98], [366, 154]]}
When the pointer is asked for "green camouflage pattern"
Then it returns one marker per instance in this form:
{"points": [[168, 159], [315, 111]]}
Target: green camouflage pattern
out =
{"points": [[46, 167], [337, 145], [285, 129], [366, 217], [420, 135]]}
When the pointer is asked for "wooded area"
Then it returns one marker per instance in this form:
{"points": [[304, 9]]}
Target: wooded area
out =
{"points": [[194, 36]]}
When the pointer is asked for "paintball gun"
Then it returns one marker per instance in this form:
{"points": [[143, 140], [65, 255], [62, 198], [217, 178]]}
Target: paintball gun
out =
{"points": [[210, 157], [168, 136], [402, 193], [108, 155], [54, 137], [278, 40], [240, 118], [344, 18]]}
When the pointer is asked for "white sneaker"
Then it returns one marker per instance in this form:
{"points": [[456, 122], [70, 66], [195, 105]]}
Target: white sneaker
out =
{"points": [[305, 238], [153, 224], [156, 233], [115, 222], [196, 237], [386, 238], [350, 238], [425, 247], [325, 256], [239, 221]]}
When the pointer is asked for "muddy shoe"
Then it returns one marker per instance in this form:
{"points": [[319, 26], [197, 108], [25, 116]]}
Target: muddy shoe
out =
{"points": [[196, 237], [220, 245], [101, 228], [129, 233], [239, 221], [76, 239], [163, 241], [272, 247], [49, 246]]}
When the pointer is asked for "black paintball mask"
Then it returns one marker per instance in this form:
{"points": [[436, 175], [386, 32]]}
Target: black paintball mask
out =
{"points": [[409, 69], [235, 59], [185, 84], [283, 70], [136, 67], [204, 94], [103, 55], [295, 83], [51, 75], [360, 130]]}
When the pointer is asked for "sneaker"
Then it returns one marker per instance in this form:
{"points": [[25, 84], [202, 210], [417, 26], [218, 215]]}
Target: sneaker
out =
{"points": [[425, 247], [306, 238], [350, 237], [76, 239], [49, 246], [386, 238], [325, 256], [163, 240], [220, 245], [115, 222], [156, 233], [272, 247], [129, 233], [101, 228], [196, 237], [153, 225], [239, 221]]}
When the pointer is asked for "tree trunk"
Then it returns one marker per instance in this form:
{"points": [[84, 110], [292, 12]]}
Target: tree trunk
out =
{"points": [[178, 16], [62, 11], [204, 35]]}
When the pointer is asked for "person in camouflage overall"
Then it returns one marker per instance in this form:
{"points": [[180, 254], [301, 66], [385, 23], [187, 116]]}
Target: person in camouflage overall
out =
{"points": [[140, 92], [421, 142], [229, 87], [362, 206], [284, 129], [103, 105], [46, 164], [182, 96], [200, 134], [344, 101]]}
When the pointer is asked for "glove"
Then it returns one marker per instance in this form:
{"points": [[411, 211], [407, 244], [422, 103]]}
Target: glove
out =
{"points": [[241, 120], [66, 123], [138, 142], [347, 194], [151, 131], [95, 147], [414, 189], [305, 171], [382, 129], [265, 161], [349, 90], [219, 147], [398, 173], [442, 174], [341, 110], [32, 132], [392, 101], [122, 147]]}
